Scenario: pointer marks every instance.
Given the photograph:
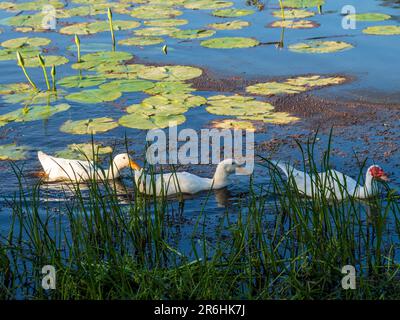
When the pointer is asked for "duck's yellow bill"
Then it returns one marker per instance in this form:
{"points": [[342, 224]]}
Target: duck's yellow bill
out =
{"points": [[134, 165]]}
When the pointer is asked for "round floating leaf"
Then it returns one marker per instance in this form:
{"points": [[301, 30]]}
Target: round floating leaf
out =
{"points": [[233, 124], [207, 4], [33, 113], [127, 85], [273, 88], [89, 126], [192, 34], [273, 117], [84, 151], [129, 71], [383, 30], [92, 60], [10, 54], [318, 46], [25, 42], [99, 26], [48, 60], [230, 25], [170, 73], [156, 31], [141, 41], [294, 24], [81, 81], [34, 97], [315, 81], [230, 43], [94, 96], [302, 3], [154, 12], [145, 122], [12, 88], [170, 87], [293, 14], [232, 13], [369, 17], [13, 152], [165, 23]]}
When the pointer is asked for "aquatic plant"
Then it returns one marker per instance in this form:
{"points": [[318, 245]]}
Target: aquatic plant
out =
{"points": [[109, 14], [43, 65], [21, 63], [53, 77], [78, 47]]}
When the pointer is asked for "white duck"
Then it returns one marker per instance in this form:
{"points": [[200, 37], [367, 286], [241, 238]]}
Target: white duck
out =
{"points": [[59, 169], [335, 184], [185, 182]]}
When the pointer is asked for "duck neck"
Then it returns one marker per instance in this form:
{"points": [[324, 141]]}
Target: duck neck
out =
{"points": [[113, 171], [220, 179], [367, 190]]}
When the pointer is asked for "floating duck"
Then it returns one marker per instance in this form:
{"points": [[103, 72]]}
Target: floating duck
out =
{"points": [[336, 184], [185, 182], [59, 169]]}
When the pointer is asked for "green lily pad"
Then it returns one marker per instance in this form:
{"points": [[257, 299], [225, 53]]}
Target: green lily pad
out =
{"points": [[93, 60], [233, 124], [170, 73], [11, 54], [294, 24], [49, 61], [94, 96], [84, 151], [129, 71], [33, 113], [127, 85], [13, 152], [156, 31], [89, 126], [383, 30], [317, 46], [369, 17], [192, 34], [273, 117], [99, 26], [12, 88], [141, 41], [230, 43], [274, 88], [293, 14], [165, 23], [207, 4], [33, 5], [302, 3], [144, 122], [81, 81], [173, 103], [169, 87], [232, 13], [154, 12], [230, 25], [315, 81], [25, 42], [34, 97]]}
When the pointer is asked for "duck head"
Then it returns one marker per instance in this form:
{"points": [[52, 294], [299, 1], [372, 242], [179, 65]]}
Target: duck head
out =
{"points": [[377, 173], [123, 160]]}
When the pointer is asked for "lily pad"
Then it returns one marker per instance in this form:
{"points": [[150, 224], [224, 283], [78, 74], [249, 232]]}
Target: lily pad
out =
{"points": [[165, 23], [173, 103], [127, 85], [98, 26], [294, 24], [192, 34], [13, 152], [230, 43], [12, 88], [49, 61], [93, 60], [273, 118], [156, 31], [93, 96], [274, 88], [141, 41], [302, 3], [154, 12], [232, 13], [25, 42], [81, 81], [89, 126], [170, 73], [383, 30], [369, 17], [169, 87], [33, 113], [230, 25], [317, 46], [84, 151], [233, 124], [145, 122], [34, 97], [315, 81], [207, 4], [10, 54], [293, 14]]}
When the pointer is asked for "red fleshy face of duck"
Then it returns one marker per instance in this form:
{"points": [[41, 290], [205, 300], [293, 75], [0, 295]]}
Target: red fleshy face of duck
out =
{"points": [[378, 174]]}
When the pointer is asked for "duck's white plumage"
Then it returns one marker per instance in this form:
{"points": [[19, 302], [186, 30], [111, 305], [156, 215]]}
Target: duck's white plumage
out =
{"points": [[58, 169], [184, 182], [334, 184]]}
